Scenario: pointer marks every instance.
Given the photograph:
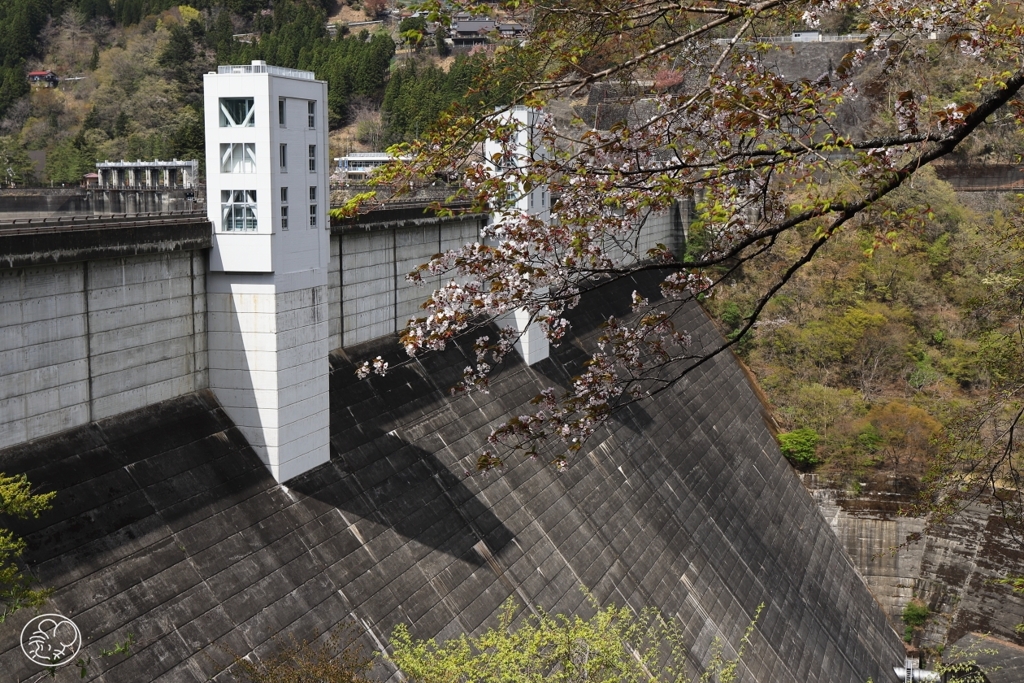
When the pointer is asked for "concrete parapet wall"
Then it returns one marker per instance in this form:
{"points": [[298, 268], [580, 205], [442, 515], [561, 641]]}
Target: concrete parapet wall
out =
{"points": [[47, 202], [87, 340], [368, 294]]}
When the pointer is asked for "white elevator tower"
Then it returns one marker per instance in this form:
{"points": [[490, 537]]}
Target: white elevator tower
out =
{"points": [[532, 345], [267, 197]]}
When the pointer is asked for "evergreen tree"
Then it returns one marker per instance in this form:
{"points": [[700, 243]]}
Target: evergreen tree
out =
{"points": [[179, 49], [443, 50], [12, 85], [15, 166]]}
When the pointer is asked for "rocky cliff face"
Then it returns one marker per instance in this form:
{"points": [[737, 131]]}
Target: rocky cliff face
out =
{"points": [[952, 567]]}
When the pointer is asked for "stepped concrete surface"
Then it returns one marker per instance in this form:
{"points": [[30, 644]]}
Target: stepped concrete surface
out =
{"points": [[167, 525], [954, 567]]}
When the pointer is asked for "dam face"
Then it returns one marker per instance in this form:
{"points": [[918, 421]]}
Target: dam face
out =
{"points": [[167, 525]]}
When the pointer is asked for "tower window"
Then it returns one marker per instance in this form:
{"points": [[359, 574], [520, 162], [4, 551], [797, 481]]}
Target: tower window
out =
{"points": [[284, 217], [237, 112], [238, 210], [312, 158], [312, 193], [311, 111], [312, 215], [284, 157], [238, 157], [280, 112]]}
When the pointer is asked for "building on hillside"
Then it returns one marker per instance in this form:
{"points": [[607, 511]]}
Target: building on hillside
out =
{"points": [[174, 174], [468, 30], [806, 37], [511, 29], [46, 79], [359, 166]]}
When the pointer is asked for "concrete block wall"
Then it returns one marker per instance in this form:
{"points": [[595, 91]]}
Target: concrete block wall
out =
{"points": [[368, 294], [269, 369], [682, 502], [44, 366], [660, 227], [303, 379], [86, 340]]}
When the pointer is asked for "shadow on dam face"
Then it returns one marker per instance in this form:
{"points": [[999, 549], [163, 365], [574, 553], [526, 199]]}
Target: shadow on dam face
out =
{"points": [[378, 476], [393, 484]]}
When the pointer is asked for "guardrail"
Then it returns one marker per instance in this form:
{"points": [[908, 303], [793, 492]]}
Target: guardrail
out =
{"points": [[62, 223], [803, 38]]}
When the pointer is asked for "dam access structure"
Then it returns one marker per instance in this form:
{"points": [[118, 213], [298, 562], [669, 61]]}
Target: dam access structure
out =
{"points": [[172, 524]]}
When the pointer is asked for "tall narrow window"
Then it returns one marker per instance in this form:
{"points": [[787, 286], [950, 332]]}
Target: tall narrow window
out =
{"points": [[312, 215], [312, 193], [237, 112], [311, 111], [238, 210], [312, 158], [284, 157], [284, 208], [280, 112], [238, 157]]}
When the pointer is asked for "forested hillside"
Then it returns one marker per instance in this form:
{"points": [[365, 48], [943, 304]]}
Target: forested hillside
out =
{"points": [[131, 76], [882, 359]]}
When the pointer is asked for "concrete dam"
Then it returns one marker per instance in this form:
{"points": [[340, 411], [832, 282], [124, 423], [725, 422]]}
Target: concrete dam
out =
{"points": [[168, 525], [186, 386]]}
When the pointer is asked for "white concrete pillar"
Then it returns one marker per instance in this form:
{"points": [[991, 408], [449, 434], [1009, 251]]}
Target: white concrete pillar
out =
{"points": [[269, 367], [533, 343]]}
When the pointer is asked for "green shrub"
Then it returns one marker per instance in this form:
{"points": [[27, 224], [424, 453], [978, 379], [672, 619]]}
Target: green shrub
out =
{"points": [[800, 447], [915, 614], [732, 316]]}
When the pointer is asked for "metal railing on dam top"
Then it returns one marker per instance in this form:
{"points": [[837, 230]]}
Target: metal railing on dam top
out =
{"points": [[80, 222]]}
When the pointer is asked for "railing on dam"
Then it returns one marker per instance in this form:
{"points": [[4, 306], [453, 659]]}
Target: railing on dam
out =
{"points": [[73, 222], [26, 242]]}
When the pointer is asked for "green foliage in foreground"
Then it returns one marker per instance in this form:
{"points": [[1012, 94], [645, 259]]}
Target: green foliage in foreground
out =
{"points": [[338, 658], [615, 644], [17, 500]]}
